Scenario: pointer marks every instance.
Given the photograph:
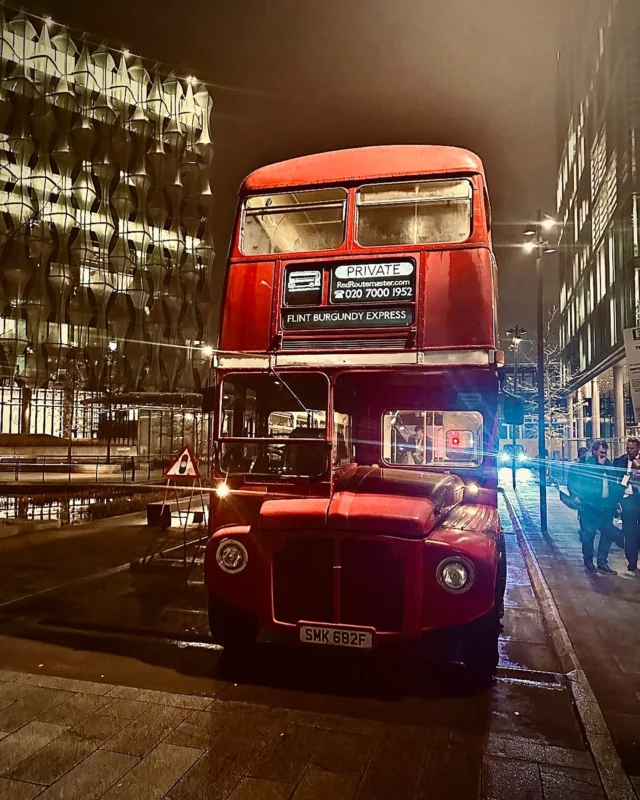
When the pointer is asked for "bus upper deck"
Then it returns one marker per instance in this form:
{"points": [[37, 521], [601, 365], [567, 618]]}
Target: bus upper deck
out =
{"points": [[368, 250]]}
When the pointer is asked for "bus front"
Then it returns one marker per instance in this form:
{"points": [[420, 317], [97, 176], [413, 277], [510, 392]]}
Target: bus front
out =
{"points": [[357, 403]]}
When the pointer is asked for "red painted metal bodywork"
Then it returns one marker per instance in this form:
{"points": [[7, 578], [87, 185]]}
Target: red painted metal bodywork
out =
{"points": [[469, 531], [362, 164], [455, 304], [361, 546]]}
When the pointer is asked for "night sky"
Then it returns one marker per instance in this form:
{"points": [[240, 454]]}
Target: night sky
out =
{"points": [[291, 77]]}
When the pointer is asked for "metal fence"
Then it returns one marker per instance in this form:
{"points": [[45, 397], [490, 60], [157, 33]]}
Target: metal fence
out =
{"points": [[88, 469]]}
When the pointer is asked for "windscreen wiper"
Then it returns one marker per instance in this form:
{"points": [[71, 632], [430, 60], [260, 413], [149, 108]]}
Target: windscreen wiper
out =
{"points": [[291, 392]]}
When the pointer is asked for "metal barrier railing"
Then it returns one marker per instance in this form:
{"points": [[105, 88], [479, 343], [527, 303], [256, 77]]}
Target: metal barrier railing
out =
{"points": [[92, 469]]}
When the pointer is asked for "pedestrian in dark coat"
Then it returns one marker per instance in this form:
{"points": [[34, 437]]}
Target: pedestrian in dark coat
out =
{"points": [[573, 476], [628, 467], [595, 489]]}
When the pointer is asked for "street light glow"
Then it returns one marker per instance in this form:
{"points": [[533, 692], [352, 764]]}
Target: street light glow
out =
{"points": [[207, 351], [113, 345], [529, 247], [530, 232], [222, 491], [548, 223]]}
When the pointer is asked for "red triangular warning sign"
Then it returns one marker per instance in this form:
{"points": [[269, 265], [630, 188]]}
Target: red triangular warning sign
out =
{"points": [[183, 466]]}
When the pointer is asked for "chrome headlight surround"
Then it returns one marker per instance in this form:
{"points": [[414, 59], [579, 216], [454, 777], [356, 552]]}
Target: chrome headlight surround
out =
{"points": [[461, 563], [231, 556]]}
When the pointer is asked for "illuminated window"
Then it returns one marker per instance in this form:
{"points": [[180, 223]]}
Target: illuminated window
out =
{"points": [[614, 321], [427, 212], [432, 438], [602, 272]]}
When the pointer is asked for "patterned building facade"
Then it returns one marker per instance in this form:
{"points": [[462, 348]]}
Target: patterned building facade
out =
{"points": [[599, 208], [105, 243]]}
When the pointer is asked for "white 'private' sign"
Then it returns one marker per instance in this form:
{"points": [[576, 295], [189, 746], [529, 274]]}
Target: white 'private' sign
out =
{"points": [[632, 351]]}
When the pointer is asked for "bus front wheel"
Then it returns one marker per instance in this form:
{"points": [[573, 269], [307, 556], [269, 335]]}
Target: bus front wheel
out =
{"points": [[231, 627], [479, 646]]}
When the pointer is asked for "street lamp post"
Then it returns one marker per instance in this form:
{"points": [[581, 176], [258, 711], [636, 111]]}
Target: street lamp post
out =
{"points": [[540, 246], [208, 353], [112, 347], [516, 335]]}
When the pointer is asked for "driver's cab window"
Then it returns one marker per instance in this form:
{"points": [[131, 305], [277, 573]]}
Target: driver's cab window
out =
{"points": [[278, 425], [421, 438]]}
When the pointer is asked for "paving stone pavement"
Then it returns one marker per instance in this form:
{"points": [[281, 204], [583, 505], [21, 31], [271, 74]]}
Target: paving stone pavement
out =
{"points": [[601, 614], [76, 740]]}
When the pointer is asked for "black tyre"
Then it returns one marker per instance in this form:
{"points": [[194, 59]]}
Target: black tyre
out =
{"points": [[479, 646], [231, 627], [501, 577]]}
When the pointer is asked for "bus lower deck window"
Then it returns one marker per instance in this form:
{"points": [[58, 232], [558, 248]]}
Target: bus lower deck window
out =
{"points": [[430, 438]]}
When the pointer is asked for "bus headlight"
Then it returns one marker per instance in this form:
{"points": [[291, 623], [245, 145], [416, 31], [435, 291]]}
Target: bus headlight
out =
{"points": [[222, 491], [455, 575], [232, 556]]}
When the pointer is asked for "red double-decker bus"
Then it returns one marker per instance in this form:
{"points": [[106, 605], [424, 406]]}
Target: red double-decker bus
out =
{"points": [[357, 388]]}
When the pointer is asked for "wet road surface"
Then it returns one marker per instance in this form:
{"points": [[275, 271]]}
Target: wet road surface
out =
{"points": [[145, 626]]}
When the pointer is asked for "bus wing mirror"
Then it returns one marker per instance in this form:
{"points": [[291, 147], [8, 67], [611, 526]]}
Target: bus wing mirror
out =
{"points": [[512, 409]]}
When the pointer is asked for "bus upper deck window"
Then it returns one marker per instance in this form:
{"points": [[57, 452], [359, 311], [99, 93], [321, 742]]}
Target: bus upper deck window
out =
{"points": [[425, 212], [293, 222]]}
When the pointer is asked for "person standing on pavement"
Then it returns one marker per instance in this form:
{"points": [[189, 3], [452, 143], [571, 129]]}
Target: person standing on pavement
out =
{"points": [[573, 474], [573, 477], [628, 467], [596, 499]]}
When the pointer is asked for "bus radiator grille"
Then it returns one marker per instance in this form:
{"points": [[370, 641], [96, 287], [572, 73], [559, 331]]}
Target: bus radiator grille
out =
{"points": [[303, 580], [372, 585]]}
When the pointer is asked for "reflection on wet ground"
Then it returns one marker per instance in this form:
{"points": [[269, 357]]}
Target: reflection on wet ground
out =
{"points": [[95, 607], [69, 507]]}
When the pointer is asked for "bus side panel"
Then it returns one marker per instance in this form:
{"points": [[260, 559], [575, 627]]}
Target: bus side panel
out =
{"points": [[458, 300], [246, 321]]}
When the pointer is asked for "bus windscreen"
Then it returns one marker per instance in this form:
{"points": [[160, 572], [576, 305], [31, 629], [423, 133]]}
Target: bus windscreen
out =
{"points": [[294, 222]]}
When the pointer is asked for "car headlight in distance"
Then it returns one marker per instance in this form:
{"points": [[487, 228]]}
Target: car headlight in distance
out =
{"points": [[232, 556], [522, 456], [455, 575], [504, 458]]}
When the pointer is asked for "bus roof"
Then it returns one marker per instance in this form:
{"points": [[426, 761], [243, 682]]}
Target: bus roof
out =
{"points": [[364, 163]]}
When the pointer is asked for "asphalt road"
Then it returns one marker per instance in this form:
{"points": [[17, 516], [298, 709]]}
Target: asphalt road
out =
{"points": [[78, 603]]}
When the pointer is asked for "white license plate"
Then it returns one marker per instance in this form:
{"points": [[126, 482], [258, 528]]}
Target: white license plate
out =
{"points": [[338, 637]]}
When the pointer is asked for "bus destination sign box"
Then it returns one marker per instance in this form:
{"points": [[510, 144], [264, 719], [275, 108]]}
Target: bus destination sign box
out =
{"points": [[386, 282], [375, 283], [327, 318]]}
